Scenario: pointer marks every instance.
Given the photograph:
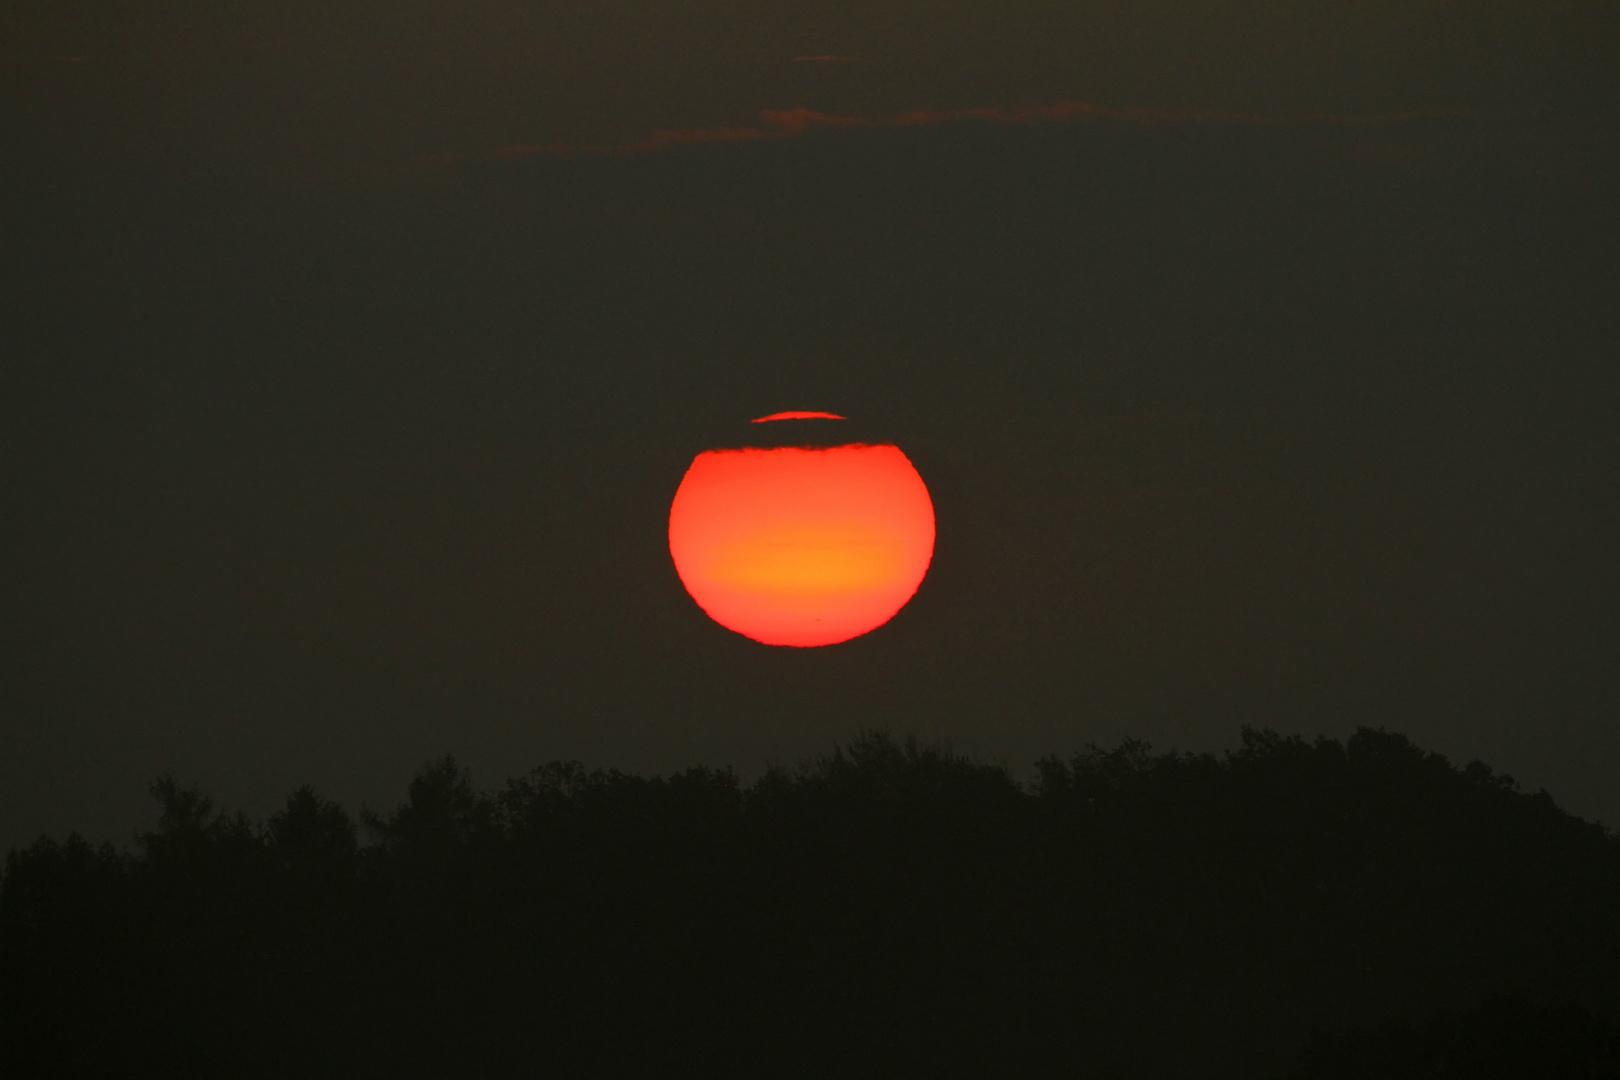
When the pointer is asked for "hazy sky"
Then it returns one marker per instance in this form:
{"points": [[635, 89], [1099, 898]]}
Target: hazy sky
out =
{"points": [[1260, 358], [303, 85]]}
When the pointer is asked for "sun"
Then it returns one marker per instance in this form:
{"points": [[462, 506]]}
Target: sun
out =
{"points": [[802, 545]]}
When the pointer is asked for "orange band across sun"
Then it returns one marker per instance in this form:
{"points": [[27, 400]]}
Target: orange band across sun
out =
{"points": [[798, 546]]}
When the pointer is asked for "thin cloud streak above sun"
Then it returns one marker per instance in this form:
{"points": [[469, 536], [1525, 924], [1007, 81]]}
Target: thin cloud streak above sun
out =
{"points": [[778, 124], [797, 416]]}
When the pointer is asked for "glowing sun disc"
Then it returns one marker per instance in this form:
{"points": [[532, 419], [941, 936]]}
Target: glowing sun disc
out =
{"points": [[801, 546]]}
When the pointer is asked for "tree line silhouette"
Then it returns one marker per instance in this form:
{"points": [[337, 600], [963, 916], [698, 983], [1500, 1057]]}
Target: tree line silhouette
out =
{"points": [[1318, 910]]}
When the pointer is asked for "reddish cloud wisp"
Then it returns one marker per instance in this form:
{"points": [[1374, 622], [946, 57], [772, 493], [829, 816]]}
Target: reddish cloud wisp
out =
{"points": [[789, 123]]}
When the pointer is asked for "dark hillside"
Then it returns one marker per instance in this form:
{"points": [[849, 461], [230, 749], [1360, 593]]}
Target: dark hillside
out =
{"points": [[886, 910]]}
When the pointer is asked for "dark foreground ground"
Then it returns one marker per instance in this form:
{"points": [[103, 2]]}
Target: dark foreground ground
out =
{"points": [[1313, 910]]}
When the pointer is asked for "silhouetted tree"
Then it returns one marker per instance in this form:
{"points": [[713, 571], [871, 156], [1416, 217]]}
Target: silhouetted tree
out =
{"points": [[887, 908], [1502, 1039]]}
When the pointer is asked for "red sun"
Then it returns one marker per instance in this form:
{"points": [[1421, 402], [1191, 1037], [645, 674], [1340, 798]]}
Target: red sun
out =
{"points": [[802, 546]]}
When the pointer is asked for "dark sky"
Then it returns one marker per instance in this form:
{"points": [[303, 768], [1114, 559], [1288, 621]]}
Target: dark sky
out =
{"points": [[1262, 358]]}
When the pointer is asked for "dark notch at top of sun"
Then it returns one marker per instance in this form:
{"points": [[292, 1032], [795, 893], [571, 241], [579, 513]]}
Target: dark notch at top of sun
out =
{"points": [[801, 428]]}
